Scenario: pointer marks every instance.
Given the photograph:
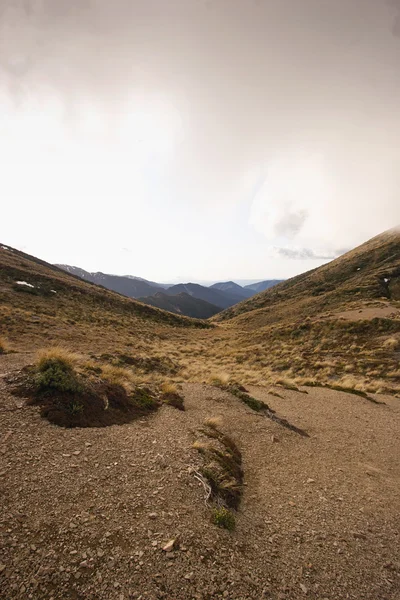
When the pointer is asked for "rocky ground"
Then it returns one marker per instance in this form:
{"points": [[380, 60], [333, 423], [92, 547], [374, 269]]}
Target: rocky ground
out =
{"points": [[86, 513]]}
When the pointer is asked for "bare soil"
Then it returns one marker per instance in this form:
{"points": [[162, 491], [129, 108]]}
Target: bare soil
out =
{"points": [[86, 512]]}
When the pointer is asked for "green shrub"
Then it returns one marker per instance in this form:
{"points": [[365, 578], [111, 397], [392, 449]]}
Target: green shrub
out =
{"points": [[56, 374], [222, 517]]}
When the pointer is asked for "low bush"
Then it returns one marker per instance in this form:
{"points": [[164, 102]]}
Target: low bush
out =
{"points": [[222, 517], [70, 395]]}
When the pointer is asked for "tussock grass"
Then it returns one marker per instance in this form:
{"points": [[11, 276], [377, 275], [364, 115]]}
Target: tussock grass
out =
{"points": [[57, 353], [118, 375], [391, 344], [219, 379], [169, 388], [71, 395], [171, 396], [213, 422], [223, 460], [3, 346]]}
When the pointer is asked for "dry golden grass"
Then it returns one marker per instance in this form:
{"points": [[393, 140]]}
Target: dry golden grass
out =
{"points": [[219, 379], [391, 344], [169, 388], [3, 346], [201, 446], [57, 353], [291, 342], [214, 422], [118, 375]]}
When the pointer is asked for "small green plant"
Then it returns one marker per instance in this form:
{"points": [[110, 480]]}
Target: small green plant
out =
{"points": [[222, 517], [57, 374], [75, 408], [144, 399]]}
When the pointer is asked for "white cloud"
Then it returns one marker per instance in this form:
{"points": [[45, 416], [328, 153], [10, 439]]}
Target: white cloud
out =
{"points": [[197, 138]]}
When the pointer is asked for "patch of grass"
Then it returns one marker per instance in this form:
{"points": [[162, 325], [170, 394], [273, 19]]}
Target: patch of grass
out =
{"points": [[288, 385], [169, 388], [222, 517], [240, 392], [253, 403], [62, 355], [219, 380], [213, 422], [56, 373], [171, 396], [391, 344], [3, 346], [69, 397], [222, 468], [144, 398], [117, 375]]}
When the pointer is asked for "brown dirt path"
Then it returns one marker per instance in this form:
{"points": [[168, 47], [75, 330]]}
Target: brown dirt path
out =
{"points": [[85, 512]]}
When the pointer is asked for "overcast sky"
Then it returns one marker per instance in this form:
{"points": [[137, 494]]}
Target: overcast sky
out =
{"points": [[198, 139]]}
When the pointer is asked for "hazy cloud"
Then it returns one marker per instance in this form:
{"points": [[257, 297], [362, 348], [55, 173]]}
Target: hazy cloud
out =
{"points": [[303, 253], [221, 127]]}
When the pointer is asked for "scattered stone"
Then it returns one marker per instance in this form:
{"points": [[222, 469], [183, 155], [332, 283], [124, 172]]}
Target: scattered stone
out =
{"points": [[153, 515], [303, 588], [170, 546]]}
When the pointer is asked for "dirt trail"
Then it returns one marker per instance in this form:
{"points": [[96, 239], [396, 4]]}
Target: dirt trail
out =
{"points": [[86, 512]]}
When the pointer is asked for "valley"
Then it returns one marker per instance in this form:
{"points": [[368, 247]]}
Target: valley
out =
{"points": [[299, 384]]}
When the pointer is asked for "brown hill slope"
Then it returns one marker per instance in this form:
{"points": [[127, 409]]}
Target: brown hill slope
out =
{"points": [[370, 271], [39, 300], [346, 336]]}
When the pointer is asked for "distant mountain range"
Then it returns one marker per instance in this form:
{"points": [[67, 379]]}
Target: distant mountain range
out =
{"points": [[182, 304], [190, 299]]}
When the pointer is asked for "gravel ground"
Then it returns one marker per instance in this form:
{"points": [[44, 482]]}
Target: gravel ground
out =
{"points": [[86, 512]]}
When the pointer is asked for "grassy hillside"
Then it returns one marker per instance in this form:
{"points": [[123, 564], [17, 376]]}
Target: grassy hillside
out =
{"points": [[336, 325], [50, 303], [369, 272]]}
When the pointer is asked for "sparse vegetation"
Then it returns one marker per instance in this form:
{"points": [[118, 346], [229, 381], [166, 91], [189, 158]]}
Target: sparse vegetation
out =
{"points": [[171, 396], [391, 343], [222, 517], [71, 395], [3, 346], [222, 468], [240, 392], [287, 334], [57, 375]]}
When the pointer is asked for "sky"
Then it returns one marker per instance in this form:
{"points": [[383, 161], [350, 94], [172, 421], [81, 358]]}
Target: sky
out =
{"points": [[198, 139]]}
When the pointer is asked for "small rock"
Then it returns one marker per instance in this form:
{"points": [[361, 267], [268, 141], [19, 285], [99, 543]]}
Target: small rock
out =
{"points": [[303, 588], [169, 546], [153, 515], [2, 567], [274, 439], [76, 453], [310, 480], [189, 575]]}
